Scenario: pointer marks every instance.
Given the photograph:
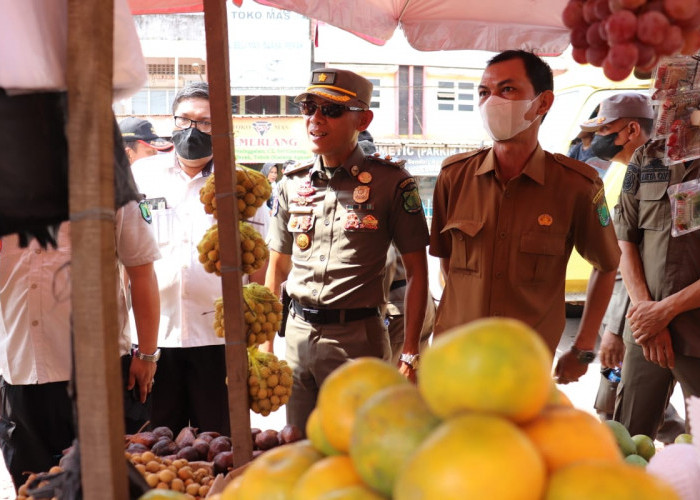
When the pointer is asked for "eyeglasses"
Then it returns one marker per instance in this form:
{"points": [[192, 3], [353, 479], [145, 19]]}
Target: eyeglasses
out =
{"points": [[308, 108], [185, 123]]}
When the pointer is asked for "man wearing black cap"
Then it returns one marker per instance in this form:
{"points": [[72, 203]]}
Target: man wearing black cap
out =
{"points": [[140, 139], [329, 238]]}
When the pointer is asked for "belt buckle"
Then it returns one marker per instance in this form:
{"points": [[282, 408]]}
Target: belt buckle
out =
{"points": [[312, 315]]}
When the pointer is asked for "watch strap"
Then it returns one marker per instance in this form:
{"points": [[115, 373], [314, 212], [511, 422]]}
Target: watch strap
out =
{"points": [[146, 357]]}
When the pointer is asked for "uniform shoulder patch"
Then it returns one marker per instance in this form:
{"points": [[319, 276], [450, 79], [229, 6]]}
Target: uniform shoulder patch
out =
{"points": [[580, 167], [451, 160], [298, 168], [386, 160], [145, 209]]}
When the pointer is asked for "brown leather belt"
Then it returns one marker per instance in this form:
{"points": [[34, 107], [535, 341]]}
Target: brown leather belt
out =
{"points": [[330, 316]]}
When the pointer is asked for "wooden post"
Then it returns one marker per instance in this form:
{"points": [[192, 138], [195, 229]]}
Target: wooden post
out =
{"points": [[94, 285], [216, 28]]}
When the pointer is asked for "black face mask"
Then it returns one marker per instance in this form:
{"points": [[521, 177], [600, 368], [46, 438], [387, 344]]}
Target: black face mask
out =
{"points": [[604, 147], [192, 144]]}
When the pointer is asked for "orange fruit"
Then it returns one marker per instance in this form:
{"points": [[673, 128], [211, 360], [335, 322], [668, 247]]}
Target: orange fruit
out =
{"points": [[327, 475], [274, 473], [344, 391], [558, 398], [565, 436], [595, 479], [388, 429], [315, 434], [495, 365], [355, 492], [473, 456]]}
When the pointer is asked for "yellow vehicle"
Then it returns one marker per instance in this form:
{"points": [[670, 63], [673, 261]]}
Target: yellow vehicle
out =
{"points": [[578, 91]]}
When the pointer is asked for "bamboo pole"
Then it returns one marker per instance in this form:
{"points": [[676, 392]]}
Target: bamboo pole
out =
{"points": [[216, 27], [96, 349]]}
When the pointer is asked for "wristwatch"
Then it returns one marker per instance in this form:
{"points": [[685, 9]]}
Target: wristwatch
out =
{"points": [[146, 357], [410, 359], [583, 357]]}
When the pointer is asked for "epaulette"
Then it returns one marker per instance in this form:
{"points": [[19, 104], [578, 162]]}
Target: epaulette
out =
{"points": [[580, 167], [459, 157], [386, 160], [293, 169]]}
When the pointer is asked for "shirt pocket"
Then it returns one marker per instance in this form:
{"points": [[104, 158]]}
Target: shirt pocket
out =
{"points": [[164, 223], [301, 226], [540, 257], [653, 205], [359, 240], [467, 245]]}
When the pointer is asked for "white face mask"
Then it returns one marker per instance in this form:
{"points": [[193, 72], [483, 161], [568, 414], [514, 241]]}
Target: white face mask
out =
{"points": [[505, 118]]}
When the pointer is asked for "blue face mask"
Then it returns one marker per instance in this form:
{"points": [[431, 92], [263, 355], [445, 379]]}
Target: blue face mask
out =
{"points": [[192, 144], [604, 147]]}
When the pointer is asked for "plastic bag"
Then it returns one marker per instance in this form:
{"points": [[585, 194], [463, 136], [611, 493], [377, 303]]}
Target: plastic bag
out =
{"points": [[685, 207]]}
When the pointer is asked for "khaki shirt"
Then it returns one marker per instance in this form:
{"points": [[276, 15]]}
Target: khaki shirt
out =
{"points": [[643, 216], [508, 245], [338, 229]]}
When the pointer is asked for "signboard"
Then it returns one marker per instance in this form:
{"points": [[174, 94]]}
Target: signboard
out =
{"points": [[261, 139], [423, 159], [270, 50]]}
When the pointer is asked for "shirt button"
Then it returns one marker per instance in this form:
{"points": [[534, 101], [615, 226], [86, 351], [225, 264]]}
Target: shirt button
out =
{"points": [[323, 257], [37, 251], [326, 222], [35, 322], [314, 292], [499, 274], [34, 285], [502, 235], [507, 194]]}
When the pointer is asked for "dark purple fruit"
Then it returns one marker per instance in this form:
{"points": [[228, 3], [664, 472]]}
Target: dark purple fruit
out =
{"points": [[223, 462], [217, 445], [267, 439]]}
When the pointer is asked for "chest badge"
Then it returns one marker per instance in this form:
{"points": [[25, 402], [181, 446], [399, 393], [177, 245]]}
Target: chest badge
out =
{"points": [[364, 177], [545, 220], [306, 189], [303, 241], [360, 194]]}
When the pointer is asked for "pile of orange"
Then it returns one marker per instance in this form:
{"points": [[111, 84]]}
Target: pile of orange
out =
{"points": [[484, 421]]}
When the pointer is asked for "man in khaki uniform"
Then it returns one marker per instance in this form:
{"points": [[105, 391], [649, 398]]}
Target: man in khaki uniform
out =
{"points": [[331, 229], [662, 276], [505, 219]]}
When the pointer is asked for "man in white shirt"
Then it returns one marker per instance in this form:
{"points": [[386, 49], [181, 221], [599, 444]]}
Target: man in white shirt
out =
{"points": [[190, 386], [36, 422]]}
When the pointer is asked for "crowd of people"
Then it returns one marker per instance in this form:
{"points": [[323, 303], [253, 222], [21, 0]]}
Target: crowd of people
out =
{"points": [[348, 243]]}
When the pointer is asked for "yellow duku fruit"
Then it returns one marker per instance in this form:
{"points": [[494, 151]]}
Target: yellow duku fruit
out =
{"points": [[495, 365], [269, 381], [388, 429], [326, 475], [315, 434], [473, 456], [565, 436], [594, 479], [345, 390], [273, 474]]}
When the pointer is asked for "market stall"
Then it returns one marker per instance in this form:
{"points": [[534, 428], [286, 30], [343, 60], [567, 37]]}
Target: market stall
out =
{"points": [[433, 25]]}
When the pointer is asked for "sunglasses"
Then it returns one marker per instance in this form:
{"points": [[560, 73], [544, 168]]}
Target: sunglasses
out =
{"points": [[308, 108]]}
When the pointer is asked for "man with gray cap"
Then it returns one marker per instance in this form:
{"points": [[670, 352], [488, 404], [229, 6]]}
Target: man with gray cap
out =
{"points": [[329, 237], [662, 276], [624, 123]]}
